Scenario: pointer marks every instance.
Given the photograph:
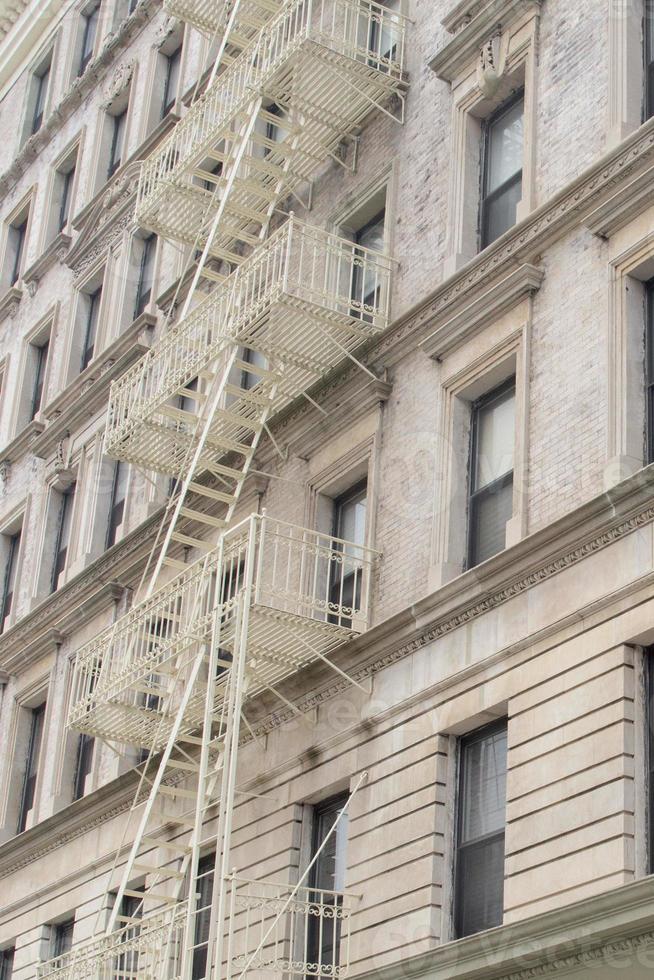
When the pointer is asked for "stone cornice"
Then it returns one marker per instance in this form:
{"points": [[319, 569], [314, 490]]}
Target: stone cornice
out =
{"points": [[606, 927], [98, 582], [55, 251], [22, 444], [484, 308], [525, 242], [472, 23], [88, 393], [588, 529], [96, 70], [619, 209]]}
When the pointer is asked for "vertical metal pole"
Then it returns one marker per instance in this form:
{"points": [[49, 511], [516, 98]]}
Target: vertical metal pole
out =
{"points": [[216, 940]]}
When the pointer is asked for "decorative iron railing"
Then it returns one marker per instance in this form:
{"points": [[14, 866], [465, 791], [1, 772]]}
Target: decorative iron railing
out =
{"points": [[277, 928], [344, 289], [301, 577], [211, 16], [362, 31], [152, 949]]}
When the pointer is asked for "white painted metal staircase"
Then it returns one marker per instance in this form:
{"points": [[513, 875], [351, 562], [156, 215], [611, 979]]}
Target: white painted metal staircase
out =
{"points": [[263, 599]]}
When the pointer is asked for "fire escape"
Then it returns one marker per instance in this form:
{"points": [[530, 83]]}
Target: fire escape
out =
{"points": [[292, 82]]}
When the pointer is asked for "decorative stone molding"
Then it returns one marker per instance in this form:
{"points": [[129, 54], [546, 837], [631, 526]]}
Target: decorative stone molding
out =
{"points": [[525, 241], [168, 27], [619, 209], [472, 23], [457, 328], [22, 444], [10, 302], [68, 410], [96, 70], [492, 65], [119, 81], [55, 252]]}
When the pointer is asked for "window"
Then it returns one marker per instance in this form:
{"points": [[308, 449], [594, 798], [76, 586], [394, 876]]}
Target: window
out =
{"points": [[40, 363], [117, 504], [203, 916], [62, 538], [490, 504], [40, 84], [146, 274], [275, 133], [118, 123], [31, 767], [323, 934], [83, 764], [345, 579], [130, 914], [649, 371], [481, 819], [65, 196], [502, 170], [649, 59], [9, 584], [171, 80], [6, 963], [91, 311], [254, 357], [62, 937], [131, 6], [16, 235], [365, 281], [89, 31], [382, 41]]}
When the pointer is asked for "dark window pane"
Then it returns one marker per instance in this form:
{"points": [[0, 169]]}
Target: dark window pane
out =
{"points": [[323, 934], [64, 521], [118, 123], [66, 189], [83, 765], [502, 178], [365, 286], [17, 235], [146, 275], [649, 370], [63, 937], [42, 82], [650, 754], [6, 963], [92, 301], [500, 211], [203, 916], [649, 59], [345, 577], [90, 27], [117, 502], [9, 583], [489, 513], [481, 819], [39, 378], [171, 83]]}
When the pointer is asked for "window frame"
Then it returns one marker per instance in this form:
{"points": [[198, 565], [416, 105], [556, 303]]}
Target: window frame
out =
{"points": [[92, 319], [40, 373], [83, 764], [649, 372], [62, 937], [353, 494], [314, 934], [116, 506], [9, 584], [648, 60], [42, 80], [7, 957], [478, 734], [168, 103], [20, 230], [59, 563], [487, 197], [91, 17], [499, 483], [147, 262], [28, 791], [118, 134]]}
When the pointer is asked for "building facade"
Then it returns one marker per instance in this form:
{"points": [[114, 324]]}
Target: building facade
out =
{"points": [[415, 262]]}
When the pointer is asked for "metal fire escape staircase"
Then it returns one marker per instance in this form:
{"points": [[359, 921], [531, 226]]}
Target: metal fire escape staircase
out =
{"points": [[176, 674]]}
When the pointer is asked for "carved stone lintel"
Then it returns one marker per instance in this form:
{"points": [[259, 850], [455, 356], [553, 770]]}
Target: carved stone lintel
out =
{"points": [[5, 472], [32, 285], [492, 64], [168, 27]]}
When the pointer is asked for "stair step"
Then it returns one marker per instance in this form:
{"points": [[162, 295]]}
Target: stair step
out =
{"points": [[247, 395], [191, 542], [219, 469], [152, 869], [187, 822], [175, 791], [185, 766], [153, 691], [241, 421], [171, 845], [196, 515], [179, 566], [197, 396], [256, 369], [190, 739], [225, 498], [157, 896], [178, 414], [129, 920], [212, 275]]}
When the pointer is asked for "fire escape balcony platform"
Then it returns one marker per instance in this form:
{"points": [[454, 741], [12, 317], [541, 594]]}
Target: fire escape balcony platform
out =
{"points": [[324, 66], [211, 16], [293, 922], [300, 302], [310, 594]]}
